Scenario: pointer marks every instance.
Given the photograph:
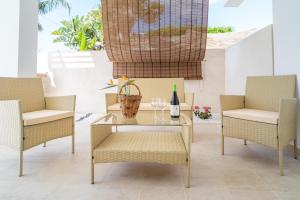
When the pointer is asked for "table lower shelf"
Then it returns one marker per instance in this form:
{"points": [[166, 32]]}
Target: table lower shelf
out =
{"points": [[161, 147]]}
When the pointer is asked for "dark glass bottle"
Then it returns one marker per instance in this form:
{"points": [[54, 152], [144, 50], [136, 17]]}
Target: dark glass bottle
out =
{"points": [[174, 107]]}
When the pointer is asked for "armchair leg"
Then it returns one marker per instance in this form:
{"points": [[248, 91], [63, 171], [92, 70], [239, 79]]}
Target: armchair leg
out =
{"points": [[21, 164], [92, 172], [188, 177], [245, 142], [192, 131], [281, 162], [222, 145], [73, 144], [295, 149]]}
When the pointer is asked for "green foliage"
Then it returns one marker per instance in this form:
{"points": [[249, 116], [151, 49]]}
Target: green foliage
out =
{"points": [[174, 30], [47, 6], [177, 30], [220, 29], [82, 32]]}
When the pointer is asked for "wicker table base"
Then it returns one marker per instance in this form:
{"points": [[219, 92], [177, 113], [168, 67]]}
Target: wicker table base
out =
{"points": [[159, 147]]}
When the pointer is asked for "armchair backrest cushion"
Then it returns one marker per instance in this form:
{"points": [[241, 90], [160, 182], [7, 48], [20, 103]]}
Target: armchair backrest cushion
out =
{"points": [[159, 87], [28, 90], [265, 92]]}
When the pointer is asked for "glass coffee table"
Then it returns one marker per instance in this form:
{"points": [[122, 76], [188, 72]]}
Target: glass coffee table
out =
{"points": [[143, 119], [108, 145]]}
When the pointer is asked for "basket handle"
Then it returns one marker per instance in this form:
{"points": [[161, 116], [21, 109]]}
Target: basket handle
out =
{"points": [[137, 87]]}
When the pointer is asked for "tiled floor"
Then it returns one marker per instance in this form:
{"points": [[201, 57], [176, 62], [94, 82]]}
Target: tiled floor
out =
{"points": [[245, 172]]}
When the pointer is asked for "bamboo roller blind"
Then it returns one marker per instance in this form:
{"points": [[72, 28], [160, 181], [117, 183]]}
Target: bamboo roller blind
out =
{"points": [[155, 38]]}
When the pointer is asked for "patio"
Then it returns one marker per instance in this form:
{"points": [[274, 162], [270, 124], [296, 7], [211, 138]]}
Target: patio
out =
{"points": [[86, 113]]}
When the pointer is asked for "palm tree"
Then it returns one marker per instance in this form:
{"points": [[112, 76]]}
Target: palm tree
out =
{"points": [[46, 6]]}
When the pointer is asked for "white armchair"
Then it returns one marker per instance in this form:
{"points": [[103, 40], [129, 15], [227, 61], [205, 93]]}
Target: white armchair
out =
{"points": [[28, 119], [266, 114]]}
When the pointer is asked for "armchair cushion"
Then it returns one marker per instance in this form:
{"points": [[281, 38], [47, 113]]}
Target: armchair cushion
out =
{"points": [[43, 116], [148, 107], [253, 115]]}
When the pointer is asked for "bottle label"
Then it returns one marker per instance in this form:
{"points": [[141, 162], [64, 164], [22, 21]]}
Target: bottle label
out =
{"points": [[174, 110]]}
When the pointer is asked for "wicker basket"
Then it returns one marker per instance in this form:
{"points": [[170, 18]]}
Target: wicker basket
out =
{"points": [[129, 104]]}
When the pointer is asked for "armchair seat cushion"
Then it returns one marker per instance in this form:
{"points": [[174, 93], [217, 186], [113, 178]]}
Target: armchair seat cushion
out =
{"points": [[43, 116], [148, 107], [253, 115]]}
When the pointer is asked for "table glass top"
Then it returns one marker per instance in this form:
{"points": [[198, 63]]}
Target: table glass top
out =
{"points": [[142, 119]]}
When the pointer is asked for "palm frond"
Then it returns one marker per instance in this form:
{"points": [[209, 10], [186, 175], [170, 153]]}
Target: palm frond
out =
{"points": [[46, 6]]}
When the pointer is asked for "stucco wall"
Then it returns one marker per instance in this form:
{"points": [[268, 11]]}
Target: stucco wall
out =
{"points": [[209, 89], [250, 57], [287, 41], [84, 73]]}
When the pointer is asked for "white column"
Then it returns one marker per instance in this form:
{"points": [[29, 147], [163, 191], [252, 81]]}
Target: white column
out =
{"points": [[286, 17], [18, 38]]}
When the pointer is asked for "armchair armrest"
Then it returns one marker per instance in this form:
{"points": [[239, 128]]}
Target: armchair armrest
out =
{"points": [[231, 102], [11, 124], [61, 103], [189, 98], [287, 124], [110, 99]]}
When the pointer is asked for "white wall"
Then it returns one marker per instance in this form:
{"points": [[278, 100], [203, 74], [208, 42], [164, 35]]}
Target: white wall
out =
{"points": [[286, 18], [250, 57], [18, 52], [80, 73], [84, 73], [208, 90]]}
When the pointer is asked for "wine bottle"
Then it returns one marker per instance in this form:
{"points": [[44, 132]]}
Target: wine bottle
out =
{"points": [[174, 107]]}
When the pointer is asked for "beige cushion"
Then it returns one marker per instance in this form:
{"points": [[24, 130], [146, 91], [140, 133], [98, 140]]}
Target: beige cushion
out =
{"points": [[43, 116], [148, 107], [253, 115]]}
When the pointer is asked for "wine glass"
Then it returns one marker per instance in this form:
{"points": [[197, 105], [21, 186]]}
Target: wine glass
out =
{"points": [[162, 104]]}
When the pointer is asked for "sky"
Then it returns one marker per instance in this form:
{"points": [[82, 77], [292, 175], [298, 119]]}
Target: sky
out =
{"points": [[251, 14]]}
